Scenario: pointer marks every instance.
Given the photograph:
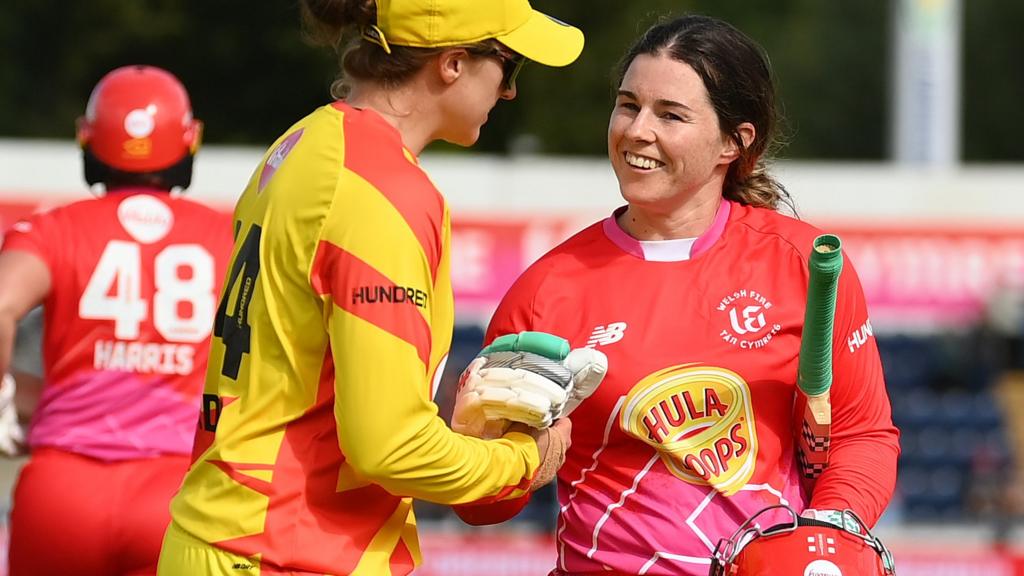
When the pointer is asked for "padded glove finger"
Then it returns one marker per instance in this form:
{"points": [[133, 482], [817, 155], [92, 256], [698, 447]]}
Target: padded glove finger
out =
{"points": [[468, 416], [519, 396], [553, 370], [588, 367]]}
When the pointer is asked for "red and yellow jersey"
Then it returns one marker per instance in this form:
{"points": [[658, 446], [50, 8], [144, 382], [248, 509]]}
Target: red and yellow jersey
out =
{"points": [[694, 428], [318, 425], [134, 279]]}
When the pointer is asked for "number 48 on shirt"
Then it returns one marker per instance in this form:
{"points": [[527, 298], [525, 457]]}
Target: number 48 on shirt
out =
{"points": [[182, 274]]}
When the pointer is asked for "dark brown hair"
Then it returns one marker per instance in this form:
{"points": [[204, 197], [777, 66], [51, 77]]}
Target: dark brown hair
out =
{"points": [[339, 24], [737, 75]]}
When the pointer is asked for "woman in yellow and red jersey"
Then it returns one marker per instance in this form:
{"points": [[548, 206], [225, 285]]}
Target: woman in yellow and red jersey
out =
{"points": [[318, 427]]}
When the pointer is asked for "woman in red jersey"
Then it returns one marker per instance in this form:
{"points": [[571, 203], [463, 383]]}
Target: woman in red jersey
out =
{"points": [[318, 426], [128, 283], [695, 291]]}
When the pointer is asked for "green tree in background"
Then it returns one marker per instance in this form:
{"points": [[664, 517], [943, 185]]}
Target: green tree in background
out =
{"points": [[251, 73], [993, 80], [245, 64], [830, 111]]}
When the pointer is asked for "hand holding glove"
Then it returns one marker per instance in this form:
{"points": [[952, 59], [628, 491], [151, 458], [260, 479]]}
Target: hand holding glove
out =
{"points": [[552, 444], [531, 378]]}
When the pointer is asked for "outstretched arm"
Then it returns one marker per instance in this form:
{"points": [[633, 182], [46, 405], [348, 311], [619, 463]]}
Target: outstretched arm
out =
{"points": [[24, 283]]}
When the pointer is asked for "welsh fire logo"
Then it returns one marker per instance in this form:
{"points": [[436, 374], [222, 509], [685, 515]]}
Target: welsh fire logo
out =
{"points": [[699, 420]]}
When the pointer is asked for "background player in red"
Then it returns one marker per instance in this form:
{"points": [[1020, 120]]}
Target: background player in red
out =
{"points": [[695, 291], [335, 321], [128, 286]]}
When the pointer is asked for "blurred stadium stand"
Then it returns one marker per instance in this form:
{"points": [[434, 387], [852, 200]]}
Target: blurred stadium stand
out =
{"points": [[953, 441]]}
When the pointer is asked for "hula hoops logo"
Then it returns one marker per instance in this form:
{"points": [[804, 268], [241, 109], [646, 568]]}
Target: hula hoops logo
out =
{"points": [[700, 421]]}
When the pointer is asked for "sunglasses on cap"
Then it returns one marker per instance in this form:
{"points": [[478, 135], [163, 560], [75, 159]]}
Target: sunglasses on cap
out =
{"points": [[511, 64]]}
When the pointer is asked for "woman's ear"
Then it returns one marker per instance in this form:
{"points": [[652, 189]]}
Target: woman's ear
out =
{"points": [[747, 133], [451, 64]]}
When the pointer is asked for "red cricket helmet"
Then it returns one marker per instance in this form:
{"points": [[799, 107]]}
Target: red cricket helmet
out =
{"points": [[139, 121], [802, 547]]}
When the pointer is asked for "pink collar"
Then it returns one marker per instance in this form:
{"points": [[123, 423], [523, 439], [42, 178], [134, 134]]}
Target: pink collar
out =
{"points": [[702, 244]]}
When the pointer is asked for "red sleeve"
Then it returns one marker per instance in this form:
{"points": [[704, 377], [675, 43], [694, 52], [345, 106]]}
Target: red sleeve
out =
{"points": [[861, 474], [493, 513], [514, 314], [36, 235]]}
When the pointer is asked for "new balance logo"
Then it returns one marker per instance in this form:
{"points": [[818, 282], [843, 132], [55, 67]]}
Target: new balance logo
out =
{"points": [[605, 335]]}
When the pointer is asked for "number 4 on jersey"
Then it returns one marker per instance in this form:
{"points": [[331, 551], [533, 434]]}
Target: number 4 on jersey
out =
{"points": [[233, 329], [115, 291], [119, 268]]}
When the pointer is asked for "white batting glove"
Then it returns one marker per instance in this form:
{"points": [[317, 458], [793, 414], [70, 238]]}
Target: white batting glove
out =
{"points": [[531, 378], [496, 390], [12, 435]]}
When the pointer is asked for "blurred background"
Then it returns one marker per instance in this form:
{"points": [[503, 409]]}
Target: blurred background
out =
{"points": [[901, 120]]}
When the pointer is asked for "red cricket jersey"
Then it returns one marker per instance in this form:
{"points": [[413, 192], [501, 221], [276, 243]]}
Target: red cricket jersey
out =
{"points": [[693, 429], [135, 276]]}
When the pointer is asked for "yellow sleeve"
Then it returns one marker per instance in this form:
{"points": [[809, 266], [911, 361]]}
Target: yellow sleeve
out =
{"points": [[381, 269]]}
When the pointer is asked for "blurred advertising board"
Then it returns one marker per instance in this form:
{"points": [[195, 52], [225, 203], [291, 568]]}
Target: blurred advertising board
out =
{"points": [[914, 276], [490, 552], [934, 276]]}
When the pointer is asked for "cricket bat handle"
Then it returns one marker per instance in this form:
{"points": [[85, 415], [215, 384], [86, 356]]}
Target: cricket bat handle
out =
{"points": [[814, 375]]}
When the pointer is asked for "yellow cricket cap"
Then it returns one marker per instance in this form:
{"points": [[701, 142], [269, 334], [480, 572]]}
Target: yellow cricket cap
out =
{"points": [[514, 23]]}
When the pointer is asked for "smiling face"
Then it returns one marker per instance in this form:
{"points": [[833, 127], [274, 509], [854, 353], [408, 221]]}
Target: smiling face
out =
{"points": [[664, 140]]}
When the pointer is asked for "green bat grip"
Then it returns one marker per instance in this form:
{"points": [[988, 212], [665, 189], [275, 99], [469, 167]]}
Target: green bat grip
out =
{"points": [[826, 262], [542, 343]]}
